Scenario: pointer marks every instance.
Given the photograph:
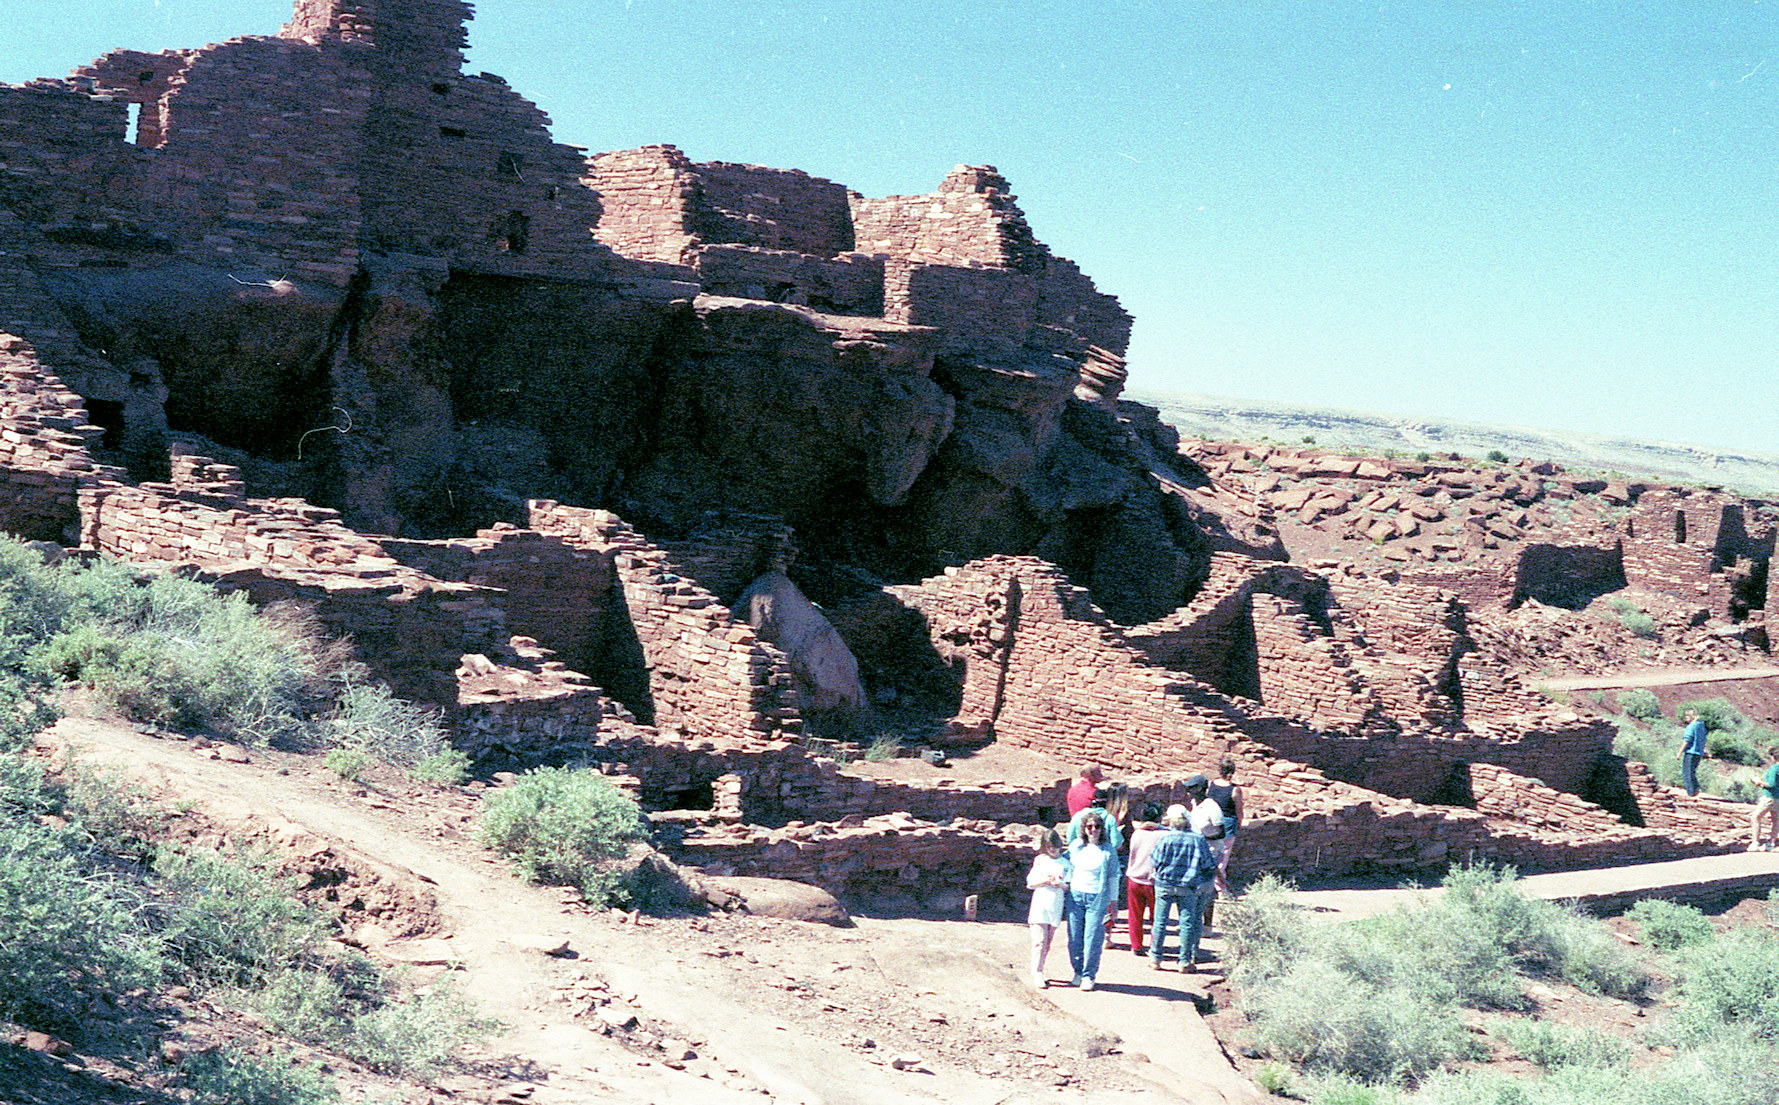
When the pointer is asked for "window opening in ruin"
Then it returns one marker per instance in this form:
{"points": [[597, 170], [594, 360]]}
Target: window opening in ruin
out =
{"points": [[702, 796], [108, 414], [1680, 527], [509, 164], [516, 232], [134, 126], [441, 88], [452, 132]]}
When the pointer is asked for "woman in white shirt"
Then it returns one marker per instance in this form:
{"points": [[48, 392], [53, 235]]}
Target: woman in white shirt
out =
{"points": [[1048, 881], [1094, 877]]}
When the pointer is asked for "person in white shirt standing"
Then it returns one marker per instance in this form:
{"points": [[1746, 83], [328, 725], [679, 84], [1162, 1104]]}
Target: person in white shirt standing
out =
{"points": [[1206, 819], [1048, 881]]}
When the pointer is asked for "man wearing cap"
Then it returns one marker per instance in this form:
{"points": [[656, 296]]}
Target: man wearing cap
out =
{"points": [[1206, 819], [1184, 870]]}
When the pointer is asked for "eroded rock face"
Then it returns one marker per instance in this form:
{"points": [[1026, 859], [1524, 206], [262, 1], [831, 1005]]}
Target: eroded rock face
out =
{"points": [[396, 285]]}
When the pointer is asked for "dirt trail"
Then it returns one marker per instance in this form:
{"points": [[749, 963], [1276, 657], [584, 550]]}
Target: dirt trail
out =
{"points": [[774, 1011], [1668, 678]]}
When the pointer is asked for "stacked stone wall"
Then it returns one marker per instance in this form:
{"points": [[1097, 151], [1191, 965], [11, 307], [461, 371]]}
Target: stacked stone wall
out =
{"points": [[557, 595], [878, 856], [990, 311], [847, 284], [45, 443], [255, 170], [781, 209], [708, 675], [411, 630], [646, 197]]}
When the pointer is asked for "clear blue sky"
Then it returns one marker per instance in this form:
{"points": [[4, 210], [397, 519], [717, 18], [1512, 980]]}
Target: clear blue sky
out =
{"points": [[1563, 215]]}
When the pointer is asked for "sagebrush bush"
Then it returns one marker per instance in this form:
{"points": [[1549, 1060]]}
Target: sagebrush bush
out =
{"points": [[1323, 1019], [1668, 925], [1640, 625], [416, 1036], [1550, 1045], [234, 919], [1640, 703], [1264, 933], [369, 719], [1734, 980], [564, 826], [237, 1077], [69, 931], [1716, 713]]}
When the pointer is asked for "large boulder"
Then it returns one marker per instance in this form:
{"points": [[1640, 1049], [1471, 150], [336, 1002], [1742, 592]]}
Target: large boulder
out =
{"points": [[826, 671], [782, 898]]}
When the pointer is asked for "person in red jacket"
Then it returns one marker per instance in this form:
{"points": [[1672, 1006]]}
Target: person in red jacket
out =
{"points": [[1081, 794]]}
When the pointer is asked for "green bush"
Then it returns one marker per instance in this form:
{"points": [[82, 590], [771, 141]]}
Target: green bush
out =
{"points": [[347, 763], [1496, 456], [1717, 713], [1550, 1045], [174, 652], [1734, 980], [234, 920], [1641, 704], [1264, 933], [237, 1077], [563, 826], [1669, 926], [1322, 1019], [371, 720], [416, 1036], [68, 931], [1640, 625], [1736, 746]]}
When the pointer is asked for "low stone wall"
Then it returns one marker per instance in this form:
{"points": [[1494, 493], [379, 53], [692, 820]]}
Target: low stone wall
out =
{"points": [[44, 448], [708, 674], [896, 855]]}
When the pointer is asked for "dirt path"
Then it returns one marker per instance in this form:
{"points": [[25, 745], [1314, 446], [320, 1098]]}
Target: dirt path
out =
{"points": [[1655, 679], [771, 1011]]}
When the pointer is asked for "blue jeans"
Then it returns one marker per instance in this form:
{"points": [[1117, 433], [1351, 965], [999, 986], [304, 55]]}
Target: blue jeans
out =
{"points": [[1087, 931], [1190, 900], [1689, 771]]}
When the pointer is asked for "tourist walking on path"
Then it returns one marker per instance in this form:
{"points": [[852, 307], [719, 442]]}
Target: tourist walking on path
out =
{"points": [[1048, 881], [1080, 795], [1766, 807], [1184, 874], [1206, 819], [1093, 879], [1227, 793], [1139, 874], [1692, 750]]}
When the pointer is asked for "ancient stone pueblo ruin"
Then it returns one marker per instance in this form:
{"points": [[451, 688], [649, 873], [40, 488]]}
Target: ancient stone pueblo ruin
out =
{"points": [[709, 472]]}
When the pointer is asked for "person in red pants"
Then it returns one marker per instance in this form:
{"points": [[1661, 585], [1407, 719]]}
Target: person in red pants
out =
{"points": [[1140, 876]]}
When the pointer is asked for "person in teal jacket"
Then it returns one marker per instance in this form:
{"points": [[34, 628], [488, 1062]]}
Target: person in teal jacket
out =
{"points": [[1692, 750]]}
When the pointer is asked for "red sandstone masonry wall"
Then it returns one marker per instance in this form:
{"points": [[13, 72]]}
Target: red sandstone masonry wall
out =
{"points": [[709, 675], [256, 168], [980, 310], [44, 441], [646, 197], [849, 284], [409, 628], [774, 208], [555, 594]]}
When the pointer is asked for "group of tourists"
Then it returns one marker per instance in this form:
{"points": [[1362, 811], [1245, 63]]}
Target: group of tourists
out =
{"points": [[1157, 862]]}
